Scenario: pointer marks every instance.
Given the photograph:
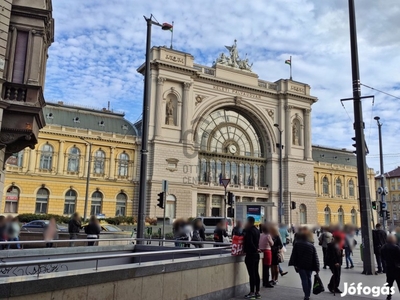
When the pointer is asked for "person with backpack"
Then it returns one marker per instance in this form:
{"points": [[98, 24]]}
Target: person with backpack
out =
{"points": [[198, 233], [220, 233]]}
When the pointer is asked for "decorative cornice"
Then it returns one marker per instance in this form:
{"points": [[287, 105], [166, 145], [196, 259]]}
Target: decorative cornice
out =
{"points": [[161, 80]]}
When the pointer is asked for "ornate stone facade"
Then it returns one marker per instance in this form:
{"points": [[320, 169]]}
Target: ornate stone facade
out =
{"points": [[223, 127]]}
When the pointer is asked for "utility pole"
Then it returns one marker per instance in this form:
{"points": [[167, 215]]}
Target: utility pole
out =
{"points": [[87, 179], [363, 188], [382, 191], [280, 213]]}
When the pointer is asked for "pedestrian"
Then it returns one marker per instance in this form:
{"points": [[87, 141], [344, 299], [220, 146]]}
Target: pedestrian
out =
{"points": [[238, 229], [92, 230], [391, 254], [74, 226], [276, 251], [50, 232], [13, 231], [305, 260], [265, 245], [349, 245], [357, 231], [335, 260], [177, 229], [379, 237], [324, 239], [198, 233], [219, 234], [187, 231], [252, 259], [397, 235], [284, 234], [3, 232]]}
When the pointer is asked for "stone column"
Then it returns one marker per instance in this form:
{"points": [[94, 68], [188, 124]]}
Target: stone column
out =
{"points": [[185, 123], [113, 162], [60, 165], [307, 134], [25, 160], [345, 191], [32, 160], [288, 129], [87, 156], [208, 205], [159, 117]]}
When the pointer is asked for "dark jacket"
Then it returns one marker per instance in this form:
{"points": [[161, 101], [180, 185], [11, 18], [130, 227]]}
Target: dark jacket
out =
{"points": [[219, 235], [304, 256], [334, 255], [74, 226], [237, 231], [391, 255], [251, 240], [201, 231], [277, 244], [379, 238], [92, 229]]}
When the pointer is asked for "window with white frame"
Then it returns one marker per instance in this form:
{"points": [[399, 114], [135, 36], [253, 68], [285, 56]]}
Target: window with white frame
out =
{"points": [[123, 165], [97, 201], [46, 157], [73, 160], [121, 205], [99, 162], [42, 201]]}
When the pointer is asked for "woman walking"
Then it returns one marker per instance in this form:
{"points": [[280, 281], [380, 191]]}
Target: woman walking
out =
{"points": [[265, 245], [50, 232], [276, 252], [305, 260], [92, 230]]}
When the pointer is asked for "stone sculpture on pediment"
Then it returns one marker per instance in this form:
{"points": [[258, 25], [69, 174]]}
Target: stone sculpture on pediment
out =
{"points": [[233, 60]]}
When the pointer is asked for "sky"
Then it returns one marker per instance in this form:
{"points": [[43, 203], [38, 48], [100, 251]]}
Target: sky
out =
{"points": [[99, 44]]}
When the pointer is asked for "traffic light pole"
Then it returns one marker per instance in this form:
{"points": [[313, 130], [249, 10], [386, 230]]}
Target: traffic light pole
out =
{"points": [[163, 225], [383, 206], [364, 196]]}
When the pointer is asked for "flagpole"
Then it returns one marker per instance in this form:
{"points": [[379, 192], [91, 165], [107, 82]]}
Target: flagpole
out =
{"points": [[172, 34], [290, 66]]}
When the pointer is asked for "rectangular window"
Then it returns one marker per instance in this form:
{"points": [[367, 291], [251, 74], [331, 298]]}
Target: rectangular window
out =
{"points": [[95, 209], [69, 207], [11, 207], [41, 208], [121, 209], [20, 57]]}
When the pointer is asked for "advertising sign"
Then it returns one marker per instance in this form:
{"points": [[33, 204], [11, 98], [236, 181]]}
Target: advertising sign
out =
{"points": [[255, 212]]}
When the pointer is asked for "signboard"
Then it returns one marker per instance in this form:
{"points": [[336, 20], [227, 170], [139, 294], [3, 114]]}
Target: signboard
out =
{"points": [[225, 182], [255, 212]]}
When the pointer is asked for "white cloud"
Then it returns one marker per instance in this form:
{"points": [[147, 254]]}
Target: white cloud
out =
{"points": [[100, 43]]}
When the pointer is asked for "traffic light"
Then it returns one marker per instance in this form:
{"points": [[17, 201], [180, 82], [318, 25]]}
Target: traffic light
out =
{"points": [[374, 205], [387, 215], [293, 205], [231, 212], [161, 200], [355, 146], [230, 199]]}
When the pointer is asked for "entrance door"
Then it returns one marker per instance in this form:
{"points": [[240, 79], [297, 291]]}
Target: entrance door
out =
{"points": [[215, 212]]}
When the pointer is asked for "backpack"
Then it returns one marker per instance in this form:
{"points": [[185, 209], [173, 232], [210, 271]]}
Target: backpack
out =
{"points": [[196, 236]]}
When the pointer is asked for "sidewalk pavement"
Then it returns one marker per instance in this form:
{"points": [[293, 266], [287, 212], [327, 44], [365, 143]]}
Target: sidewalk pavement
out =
{"points": [[286, 293]]}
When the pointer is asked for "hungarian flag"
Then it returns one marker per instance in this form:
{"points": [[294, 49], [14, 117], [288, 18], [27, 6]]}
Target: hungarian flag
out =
{"points": [[288, 62]]}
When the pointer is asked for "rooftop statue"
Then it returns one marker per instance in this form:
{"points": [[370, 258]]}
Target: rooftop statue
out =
{"points": [[233, 60]]}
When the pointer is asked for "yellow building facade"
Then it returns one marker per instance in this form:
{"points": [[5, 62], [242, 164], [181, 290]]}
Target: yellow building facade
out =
{"points": [[335, 181], [52, 177]]}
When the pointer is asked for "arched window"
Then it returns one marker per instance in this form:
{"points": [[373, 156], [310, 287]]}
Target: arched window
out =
{"points": [[42, 200], [325, 186], [171, 207], [123, 165], [341, 216], [73, 160], [327, 211], [70, 202], [99, 160], [353, 217], [97, 201], [12, 198], [351, 188], [46, 157], [303, 214], [121, 204], [338, 187]]}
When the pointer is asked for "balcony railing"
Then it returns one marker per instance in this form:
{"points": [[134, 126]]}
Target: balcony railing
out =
{"points": [[267, 85], [23, 93]]}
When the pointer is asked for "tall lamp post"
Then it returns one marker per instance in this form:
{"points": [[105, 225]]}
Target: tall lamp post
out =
{"points": [[145, 129], [87, 178], [382, 190], [280, 175]]}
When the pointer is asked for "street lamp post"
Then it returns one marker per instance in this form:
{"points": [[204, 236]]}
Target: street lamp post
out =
{"points": [[383, 207], [145, 129], [87, 178], [280, 213]]}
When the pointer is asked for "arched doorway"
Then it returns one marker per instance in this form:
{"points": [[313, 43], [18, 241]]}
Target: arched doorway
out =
{"points": [[12, 198]]}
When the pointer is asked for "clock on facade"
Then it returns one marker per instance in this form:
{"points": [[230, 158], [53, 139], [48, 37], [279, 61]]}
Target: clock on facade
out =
{"points": [[232, 149]]}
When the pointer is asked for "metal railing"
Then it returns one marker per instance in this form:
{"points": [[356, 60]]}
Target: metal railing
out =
{"points": [[43, 262]]}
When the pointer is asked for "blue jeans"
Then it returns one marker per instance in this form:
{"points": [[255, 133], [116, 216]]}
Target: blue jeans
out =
{"points": [[16, 239], [347, 252], [305, 276]]}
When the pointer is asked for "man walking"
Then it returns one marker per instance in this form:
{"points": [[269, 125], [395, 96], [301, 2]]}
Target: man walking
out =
{"points": [[379, 237], [334, 257], [74, 226], [252, 260], [391, 255], [324, 239]]}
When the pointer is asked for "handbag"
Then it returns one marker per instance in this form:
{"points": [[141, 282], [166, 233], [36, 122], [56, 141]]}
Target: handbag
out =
{"points": [[318, 286], [237, 245], [281, 258]]}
